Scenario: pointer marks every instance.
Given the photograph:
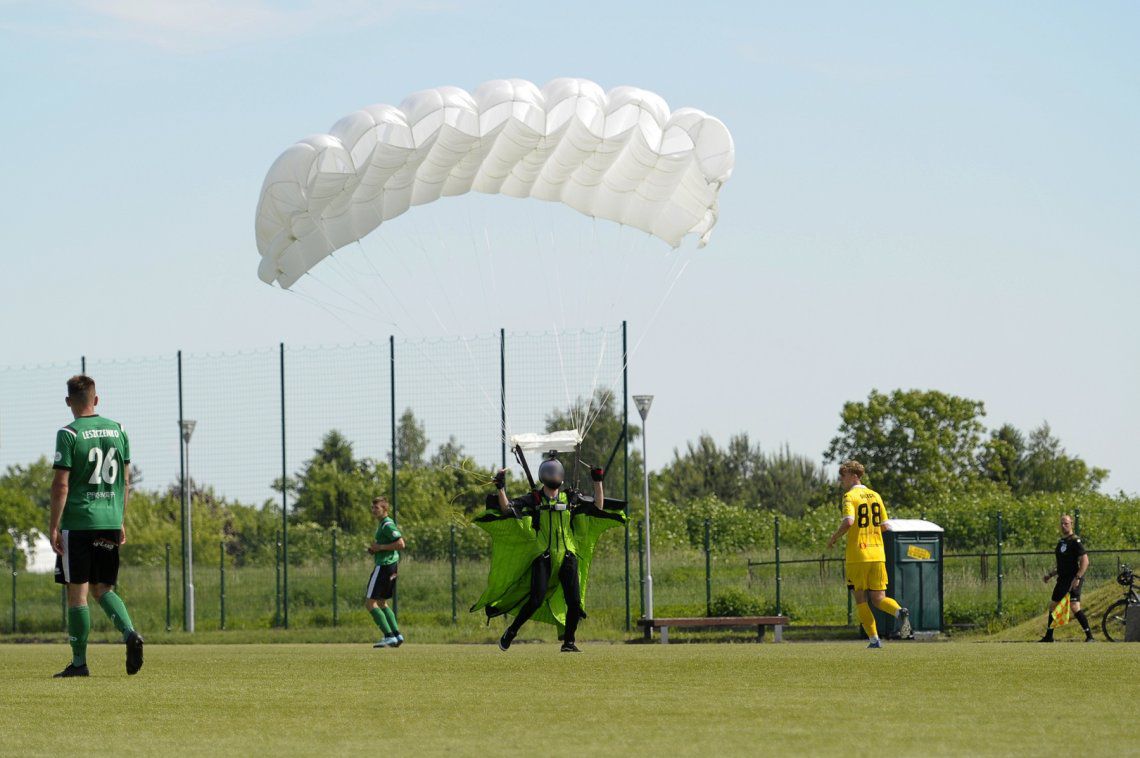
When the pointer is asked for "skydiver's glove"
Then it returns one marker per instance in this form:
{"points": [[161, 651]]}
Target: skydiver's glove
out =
{"points": [[597, 474], [500, 480]]}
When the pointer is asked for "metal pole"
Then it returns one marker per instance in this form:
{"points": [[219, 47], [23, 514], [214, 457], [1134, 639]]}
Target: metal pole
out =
{"points": [[168, 587], [708, 572], [625, 461], [454, 582], [277, 588], [641, 567], [779, 580], [188, 558], [850, 593], [503, 393], [183, 487], [334, 557], [999, 566], [83, 364], [284, 504], [13, 588], [1077, 521], [222, 579], [392, 399], [648, 537]]}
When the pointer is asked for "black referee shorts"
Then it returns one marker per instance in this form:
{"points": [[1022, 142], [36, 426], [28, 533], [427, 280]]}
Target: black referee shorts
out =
{"points": [[382, 582], [89, 555], [1062, 588]]}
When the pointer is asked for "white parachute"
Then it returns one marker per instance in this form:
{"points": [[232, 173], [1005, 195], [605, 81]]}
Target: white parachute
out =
{"points": [[622, 156]]}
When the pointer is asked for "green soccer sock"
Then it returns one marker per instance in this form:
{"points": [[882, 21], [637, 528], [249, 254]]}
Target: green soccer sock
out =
{"points": [[113, 606], [391, 616], [78, 628], [381, 620]]}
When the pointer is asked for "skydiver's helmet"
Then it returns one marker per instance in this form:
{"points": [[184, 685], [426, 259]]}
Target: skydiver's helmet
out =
{"points": [[551, 473]]}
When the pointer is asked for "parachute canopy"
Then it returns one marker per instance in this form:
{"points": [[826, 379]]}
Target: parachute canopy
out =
{"points": [[622, 156]]}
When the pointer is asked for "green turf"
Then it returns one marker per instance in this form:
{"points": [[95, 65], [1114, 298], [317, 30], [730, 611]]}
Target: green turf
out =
{"points": [[714, 700]]}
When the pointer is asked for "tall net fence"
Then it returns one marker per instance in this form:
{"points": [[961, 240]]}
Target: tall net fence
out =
{"points": [[262, 425]]}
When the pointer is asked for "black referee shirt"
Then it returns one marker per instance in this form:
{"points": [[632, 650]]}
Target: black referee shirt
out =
{"points": [[1069, 551]]}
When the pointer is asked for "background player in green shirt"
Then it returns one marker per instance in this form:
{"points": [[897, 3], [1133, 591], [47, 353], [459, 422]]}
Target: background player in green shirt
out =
{"points": [[88, 498], [385, 549]]}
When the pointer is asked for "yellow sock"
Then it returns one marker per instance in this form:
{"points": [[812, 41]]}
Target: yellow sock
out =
{"points": [[867, 619], [889, 605]]}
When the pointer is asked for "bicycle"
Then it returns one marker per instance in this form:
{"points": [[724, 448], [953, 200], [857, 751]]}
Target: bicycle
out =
{"points": [[1113, 622]]}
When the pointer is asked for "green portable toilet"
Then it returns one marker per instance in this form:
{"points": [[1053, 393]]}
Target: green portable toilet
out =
{"points": [[914, 573]]}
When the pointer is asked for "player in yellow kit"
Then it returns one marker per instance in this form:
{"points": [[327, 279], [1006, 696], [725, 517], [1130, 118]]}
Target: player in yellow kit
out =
{"points": [[865, 559]]}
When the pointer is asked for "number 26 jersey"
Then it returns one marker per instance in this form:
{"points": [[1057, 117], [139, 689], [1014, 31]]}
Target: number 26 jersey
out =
{"points": [[95, 450], [865, 537]]}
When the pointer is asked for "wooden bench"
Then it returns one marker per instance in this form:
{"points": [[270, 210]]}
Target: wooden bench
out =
{"points": [[760, 622]]}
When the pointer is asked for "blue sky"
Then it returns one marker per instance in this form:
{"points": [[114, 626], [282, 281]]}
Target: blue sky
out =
{"points": [[929, 196]]}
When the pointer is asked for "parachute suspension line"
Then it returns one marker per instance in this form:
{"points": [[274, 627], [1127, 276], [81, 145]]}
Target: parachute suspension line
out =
{"points": [[570, 404], [332, 309], [417, 241], [661, 304]]}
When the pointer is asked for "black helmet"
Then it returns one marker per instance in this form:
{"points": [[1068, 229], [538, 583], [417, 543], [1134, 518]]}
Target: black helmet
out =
{"points": [[551, 473]]}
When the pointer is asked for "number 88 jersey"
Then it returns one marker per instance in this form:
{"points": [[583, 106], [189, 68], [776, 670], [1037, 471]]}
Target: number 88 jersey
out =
{"points": [[96, 452], [865, 537]]}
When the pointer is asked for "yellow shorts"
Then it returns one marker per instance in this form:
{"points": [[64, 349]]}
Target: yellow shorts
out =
{"points": [[867, 576]]}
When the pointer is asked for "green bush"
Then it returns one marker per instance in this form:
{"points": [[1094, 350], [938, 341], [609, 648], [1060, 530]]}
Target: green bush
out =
{"points": [[736, 602]]}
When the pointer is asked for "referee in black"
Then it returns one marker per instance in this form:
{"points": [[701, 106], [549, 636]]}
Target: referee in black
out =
{"points": [[1072, 565]]}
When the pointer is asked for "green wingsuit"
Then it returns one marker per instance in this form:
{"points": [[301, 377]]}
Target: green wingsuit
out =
{"points": [[534, 526]]}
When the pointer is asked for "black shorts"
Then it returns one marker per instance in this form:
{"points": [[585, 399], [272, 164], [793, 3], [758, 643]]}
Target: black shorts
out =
{"points": [[1062, 588], [89, 555], [382, 582]]}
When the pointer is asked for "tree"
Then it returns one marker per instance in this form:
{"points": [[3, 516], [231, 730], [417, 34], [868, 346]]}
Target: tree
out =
{"points": [[411, 441], [1046, 467], [911, 442], [334, 488], [743, 475]]}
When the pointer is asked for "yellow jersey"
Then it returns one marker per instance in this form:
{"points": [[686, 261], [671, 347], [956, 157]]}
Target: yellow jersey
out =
{"points": [[865, 537]]}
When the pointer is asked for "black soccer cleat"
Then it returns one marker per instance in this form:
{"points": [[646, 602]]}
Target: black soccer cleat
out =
{"points": [[570, 647], [71, 671], [134, 653], [506, 640], [905, 630], [1046, 638], [1090, 638]]}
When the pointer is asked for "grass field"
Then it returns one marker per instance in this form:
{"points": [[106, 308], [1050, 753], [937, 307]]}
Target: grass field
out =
{"points": [[744, 699]]}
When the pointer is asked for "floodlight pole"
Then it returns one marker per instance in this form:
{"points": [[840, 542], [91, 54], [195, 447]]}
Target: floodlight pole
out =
{"points": [[188, 548], [643, 403]]}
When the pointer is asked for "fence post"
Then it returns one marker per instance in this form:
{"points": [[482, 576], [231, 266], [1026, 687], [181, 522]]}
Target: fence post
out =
{"points": [[999, 566], [708, 573], [277, 572], [334, 559], [850, 593], [641, 566], [779, 580], [1077, 521], [454, 582], [168, 587], [222, 579], [392, 402], [625, 459], [13, 587], [284, 504]]}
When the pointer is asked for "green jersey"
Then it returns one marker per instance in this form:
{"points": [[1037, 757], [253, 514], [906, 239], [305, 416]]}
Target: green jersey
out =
{"points": [[96, 452], [387, 533]]}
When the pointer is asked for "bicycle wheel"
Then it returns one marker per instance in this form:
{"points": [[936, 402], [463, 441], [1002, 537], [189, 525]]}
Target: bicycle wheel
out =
{"points": [[1113, 622]]}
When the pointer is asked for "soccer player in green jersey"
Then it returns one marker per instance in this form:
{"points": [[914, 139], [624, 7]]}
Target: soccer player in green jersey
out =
{"points": [[88, 498], [385, 549]]}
